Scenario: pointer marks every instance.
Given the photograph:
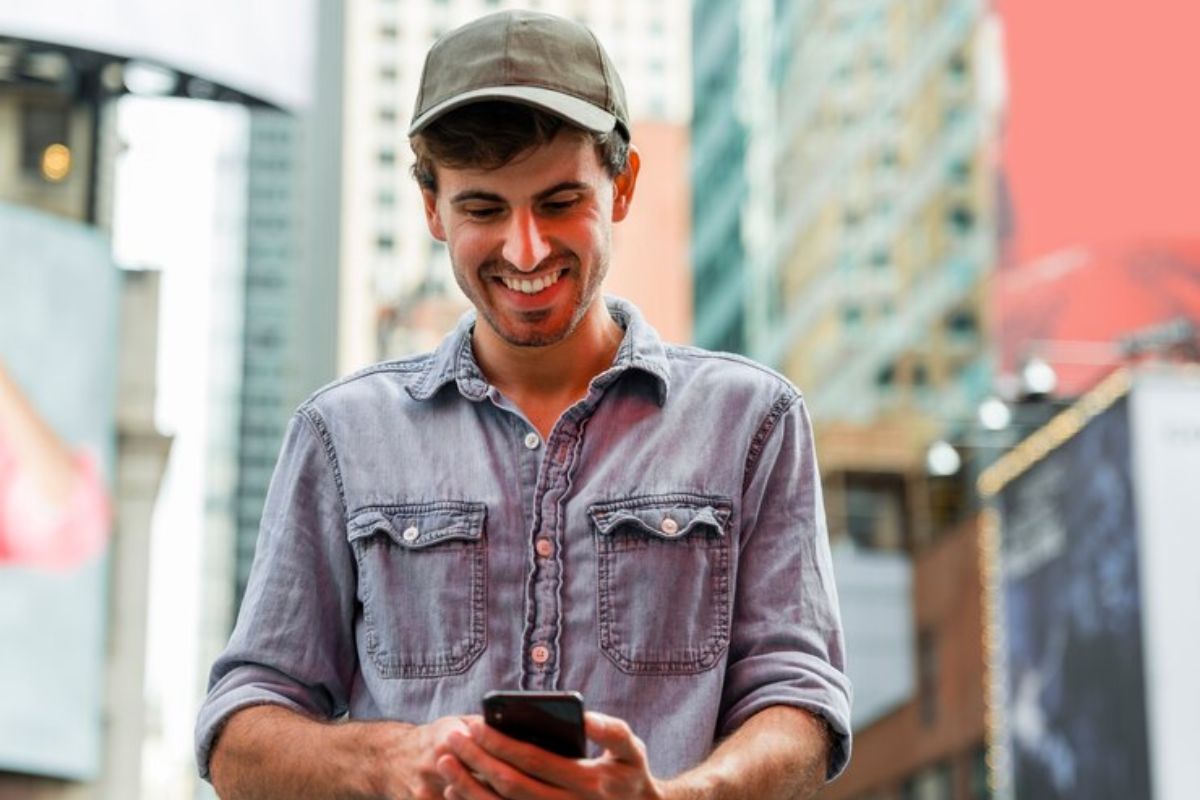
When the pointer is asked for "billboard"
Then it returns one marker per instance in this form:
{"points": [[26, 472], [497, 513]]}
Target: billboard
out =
{"points": [[1165, 413], [1095, 581], [58, 325], [261, 48], [1071, 598]]}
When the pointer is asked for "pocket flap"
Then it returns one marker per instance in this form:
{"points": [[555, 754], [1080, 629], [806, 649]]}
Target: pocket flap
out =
{"points": [[417, 525], [663, 516]]}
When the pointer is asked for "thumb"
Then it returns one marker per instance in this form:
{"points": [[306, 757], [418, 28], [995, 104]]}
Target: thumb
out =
{"points": [[615, 736]]}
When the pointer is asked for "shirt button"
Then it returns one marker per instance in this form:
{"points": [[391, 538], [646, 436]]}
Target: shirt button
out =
{"points": [[532, 440], [540, 654], [670, 527], [545, 547], [411, 533]]}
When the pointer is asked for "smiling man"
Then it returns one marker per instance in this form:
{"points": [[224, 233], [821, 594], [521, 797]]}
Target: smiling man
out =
{"points": [[554, 499]]}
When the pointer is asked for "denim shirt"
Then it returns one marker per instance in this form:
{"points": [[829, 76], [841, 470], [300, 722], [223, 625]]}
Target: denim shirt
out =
{"points": [[663, 552]]}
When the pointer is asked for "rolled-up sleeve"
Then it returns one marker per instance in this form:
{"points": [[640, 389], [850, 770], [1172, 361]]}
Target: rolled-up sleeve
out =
{"points": [[293, 644], [787, 646]]}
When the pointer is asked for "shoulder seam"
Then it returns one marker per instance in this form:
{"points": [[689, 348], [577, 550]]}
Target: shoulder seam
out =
{"points": [[689, 351], [313, 417], [406, 366], [780, 407]]}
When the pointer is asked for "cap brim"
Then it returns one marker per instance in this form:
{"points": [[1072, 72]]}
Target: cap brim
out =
{"points": [[580, 112]]}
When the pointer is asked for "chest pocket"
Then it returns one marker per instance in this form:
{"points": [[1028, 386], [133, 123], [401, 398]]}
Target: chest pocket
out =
{"points": [[663, 603], [422, 582]]}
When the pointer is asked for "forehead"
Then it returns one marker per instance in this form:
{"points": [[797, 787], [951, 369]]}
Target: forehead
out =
{"points": [[566, 158]]}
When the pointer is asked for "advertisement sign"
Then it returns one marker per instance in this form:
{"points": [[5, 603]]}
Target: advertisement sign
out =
{"points": [[1165, 409], [1071, 599], [260, 48], [58, 326]]}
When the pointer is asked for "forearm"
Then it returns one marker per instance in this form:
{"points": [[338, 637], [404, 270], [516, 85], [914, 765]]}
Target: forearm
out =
{"points": [[267, 752], [781, 753]]}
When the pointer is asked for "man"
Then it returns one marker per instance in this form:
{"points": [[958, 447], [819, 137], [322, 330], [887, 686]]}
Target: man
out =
{"points": [[554, 499]]}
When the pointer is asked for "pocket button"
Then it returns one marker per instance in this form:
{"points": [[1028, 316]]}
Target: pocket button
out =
{"points": [[670, 527], [411, 534]]}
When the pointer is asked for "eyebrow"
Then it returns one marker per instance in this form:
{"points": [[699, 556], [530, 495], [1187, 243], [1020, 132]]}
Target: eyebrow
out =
{"points": [[491, 197]]}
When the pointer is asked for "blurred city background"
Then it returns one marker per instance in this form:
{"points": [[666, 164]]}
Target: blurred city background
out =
{"points": [[968, 230]]}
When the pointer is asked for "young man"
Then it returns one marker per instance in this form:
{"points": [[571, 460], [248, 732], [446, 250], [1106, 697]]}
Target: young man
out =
{"points": [[554, 499]]}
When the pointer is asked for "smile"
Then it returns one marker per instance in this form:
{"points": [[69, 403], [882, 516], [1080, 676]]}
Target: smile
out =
{"points": [[534, 286]]}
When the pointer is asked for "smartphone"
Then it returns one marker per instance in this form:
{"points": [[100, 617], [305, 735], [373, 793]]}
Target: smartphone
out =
{"points": [[551, 720]]}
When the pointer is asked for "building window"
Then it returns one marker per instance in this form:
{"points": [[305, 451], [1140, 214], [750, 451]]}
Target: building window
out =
{"points": [[387, 158], [962, 324], [44, 132], [384, 243], [920, 375], [886, 377], [928, 675], [977, 783], [961, 219], [389, 32], [960, 171], [957, 66], [932, 783], [388, 73], [876, 511]]}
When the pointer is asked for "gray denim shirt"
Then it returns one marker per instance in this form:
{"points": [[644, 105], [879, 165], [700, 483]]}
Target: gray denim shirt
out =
{"points": [[663, 552]]}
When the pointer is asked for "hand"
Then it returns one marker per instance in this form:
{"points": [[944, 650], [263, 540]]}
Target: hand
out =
{"points": [[484, 764], [412, 755]]}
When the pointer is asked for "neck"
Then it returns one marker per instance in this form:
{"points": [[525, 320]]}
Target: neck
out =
{"points": [[557, 372]]}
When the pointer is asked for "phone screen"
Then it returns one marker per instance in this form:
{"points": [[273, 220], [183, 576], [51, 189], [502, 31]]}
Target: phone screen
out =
{"points": [[550, 720]]}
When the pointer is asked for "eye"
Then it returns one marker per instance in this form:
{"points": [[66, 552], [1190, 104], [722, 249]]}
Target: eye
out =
{"points": [[482, 212], [560, 204]]}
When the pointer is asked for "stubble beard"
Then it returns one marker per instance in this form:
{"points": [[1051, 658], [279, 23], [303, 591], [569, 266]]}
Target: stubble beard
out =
{"points": [[584, 297]]}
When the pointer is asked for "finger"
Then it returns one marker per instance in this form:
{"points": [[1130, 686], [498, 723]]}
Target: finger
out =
{"points": [[546, 767], [460, 783], [615, 736], [505, 778]]}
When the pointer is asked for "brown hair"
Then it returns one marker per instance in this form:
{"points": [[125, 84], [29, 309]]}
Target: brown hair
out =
{"points": [[488, 135]]}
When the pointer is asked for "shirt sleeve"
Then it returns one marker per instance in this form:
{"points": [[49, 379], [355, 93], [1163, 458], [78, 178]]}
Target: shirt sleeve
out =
{"points": [[293, 644], [787, 646]]}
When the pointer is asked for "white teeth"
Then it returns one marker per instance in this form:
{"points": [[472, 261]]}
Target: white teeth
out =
{"points": [[534, 286]]}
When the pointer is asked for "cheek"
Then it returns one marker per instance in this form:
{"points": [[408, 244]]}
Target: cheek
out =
{"points": [[469, 249]]}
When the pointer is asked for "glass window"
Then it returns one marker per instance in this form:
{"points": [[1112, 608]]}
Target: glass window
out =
{"points": [[42, 127]]}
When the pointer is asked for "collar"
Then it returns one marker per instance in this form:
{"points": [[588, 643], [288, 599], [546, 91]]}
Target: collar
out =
{"points": [[641, 349]]}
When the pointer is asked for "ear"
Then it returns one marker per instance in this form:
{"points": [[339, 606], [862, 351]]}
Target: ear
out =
{"points": [[624, 184], [432, 218]]}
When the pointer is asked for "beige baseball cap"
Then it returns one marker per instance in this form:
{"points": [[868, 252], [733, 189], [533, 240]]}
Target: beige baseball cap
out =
{"points": [[524, 57]]}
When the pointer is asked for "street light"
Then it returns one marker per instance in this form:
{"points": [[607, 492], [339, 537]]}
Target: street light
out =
{"points": [[942, 460], [1038, 378]]}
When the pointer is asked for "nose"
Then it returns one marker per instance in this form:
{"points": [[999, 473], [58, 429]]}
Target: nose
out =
{"points": [[524, 244]]}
